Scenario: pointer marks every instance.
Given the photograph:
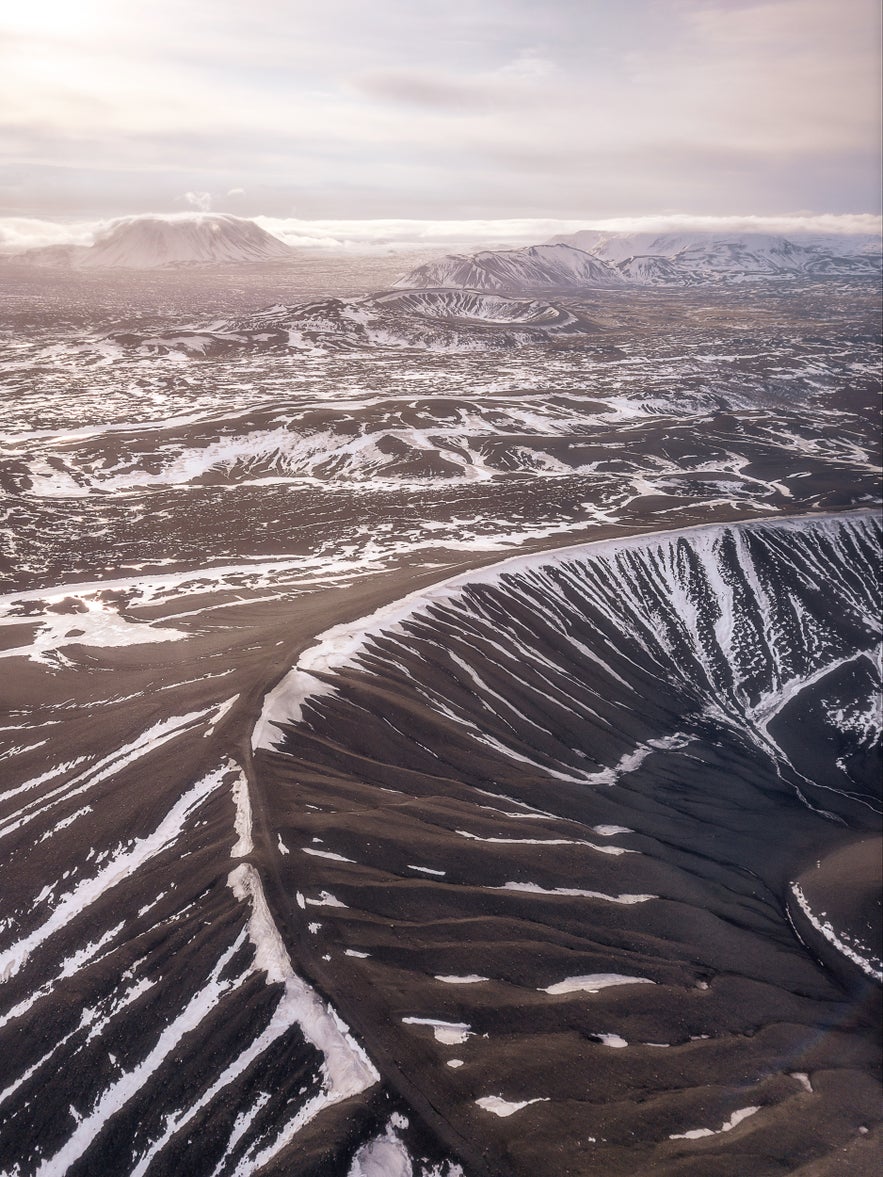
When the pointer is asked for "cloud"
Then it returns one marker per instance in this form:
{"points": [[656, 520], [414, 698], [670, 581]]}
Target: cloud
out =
{"points": [[420, 88], [199, 200], [514, 83], [793, 225], [409, 233], [528, 66], [477, 108], [20, 233]]}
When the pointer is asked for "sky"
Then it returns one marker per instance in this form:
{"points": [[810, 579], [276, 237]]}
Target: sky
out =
{"points": [[569, 111]]}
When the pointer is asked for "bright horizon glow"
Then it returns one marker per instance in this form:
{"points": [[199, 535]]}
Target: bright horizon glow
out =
{"points": [[402, 234]]}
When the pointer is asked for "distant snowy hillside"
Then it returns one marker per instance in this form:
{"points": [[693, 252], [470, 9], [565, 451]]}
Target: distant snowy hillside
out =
{"points": [[537, 267], [153, 242], [711, 256], [50, 256], [616, 247], [591, 258]]}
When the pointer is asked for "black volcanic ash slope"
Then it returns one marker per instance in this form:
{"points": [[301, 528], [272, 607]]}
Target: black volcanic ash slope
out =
{"points": [[152, 1020], [543, 824]]}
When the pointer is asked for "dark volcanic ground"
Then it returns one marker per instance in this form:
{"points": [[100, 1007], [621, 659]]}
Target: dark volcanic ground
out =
{"points": [[567, 789], [216, 961]]}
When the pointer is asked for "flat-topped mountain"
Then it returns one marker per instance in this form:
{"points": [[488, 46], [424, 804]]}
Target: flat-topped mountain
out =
{"points": [[155, 242]]}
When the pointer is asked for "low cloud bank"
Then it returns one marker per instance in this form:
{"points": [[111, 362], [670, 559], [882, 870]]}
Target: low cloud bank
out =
{"points": [[17, 233], [446, 235], [370, 236]]}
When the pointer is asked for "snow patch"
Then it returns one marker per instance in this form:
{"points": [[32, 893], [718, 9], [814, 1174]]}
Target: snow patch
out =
{"points": [[593, 983], [242, 821], [470, 979], [736, 1118], [871, 965], [448, 1033], [506, 1107], [326, 854]]}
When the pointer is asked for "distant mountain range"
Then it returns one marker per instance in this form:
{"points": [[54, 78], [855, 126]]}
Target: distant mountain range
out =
{"points": [[157, 242], [591, 258]]}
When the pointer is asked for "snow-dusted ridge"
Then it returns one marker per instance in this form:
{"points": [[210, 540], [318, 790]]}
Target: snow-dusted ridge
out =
{"points": [[437, 319], [592, 259], [537, 267], [860, 954], [341, 645]]}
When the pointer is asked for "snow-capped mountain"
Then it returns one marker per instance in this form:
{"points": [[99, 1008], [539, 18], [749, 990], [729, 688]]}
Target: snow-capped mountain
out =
{"points": [[536, 267], [617, 247], [652, 270], [591, 258], [706, 256], [154, 242]]}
